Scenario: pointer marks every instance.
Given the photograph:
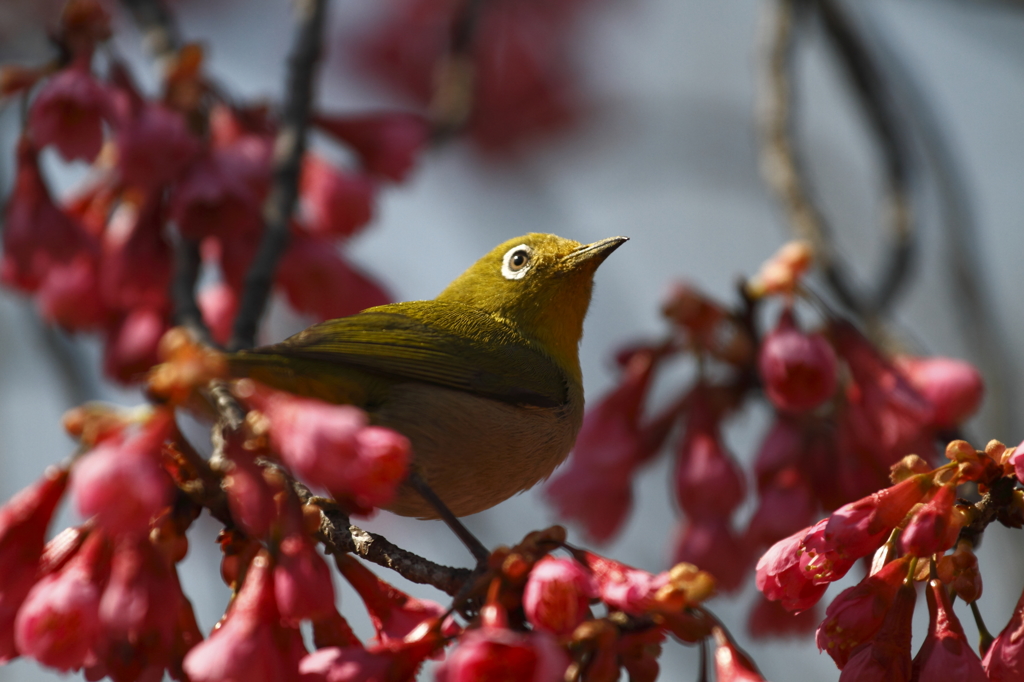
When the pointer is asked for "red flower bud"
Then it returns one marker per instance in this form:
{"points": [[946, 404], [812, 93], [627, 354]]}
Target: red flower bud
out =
{"points": [[302, 581], [953, 387], [335, 203], [387, 143], [1004, 660], [59, 623], [731, 664], [798, 369], [122, 483], [886, 657], [945, 654], [557, 595], [859, 611], [23, 522], [68, 113], [934, 527]]}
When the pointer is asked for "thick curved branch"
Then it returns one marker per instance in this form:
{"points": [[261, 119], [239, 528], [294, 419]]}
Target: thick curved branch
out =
{"points": [[782, 170], [289, 148]]}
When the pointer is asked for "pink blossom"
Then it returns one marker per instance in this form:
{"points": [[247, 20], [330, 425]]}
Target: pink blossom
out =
{"points": [[945, 654], [302, 581], [335, 203], [68, 113], [70, 295], [609, 448], [1004, 660], [712, 546], [331, 447], [153, 132], [781, 575], [522, 83], [250, 497], [136, 259], [398, 660], [886, 657], [709, 483], [131, 344], [213, 197], [954, 388], [623, 587], [387, 143], [37, 235], [250, 645], [23, 522], [731, 664], [798, 369], [492, 654], [884, 418], [318, 281], [557, 595], [934, 527], [859, 611], [139, 609], [394, 614], [860, 527], [59, 624], [122, 483]]}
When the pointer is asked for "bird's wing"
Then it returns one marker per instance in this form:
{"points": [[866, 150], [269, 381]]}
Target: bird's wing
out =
{"points": [[446, 344]]}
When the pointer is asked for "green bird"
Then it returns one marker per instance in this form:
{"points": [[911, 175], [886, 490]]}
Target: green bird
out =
{"points": [[484, 380]]}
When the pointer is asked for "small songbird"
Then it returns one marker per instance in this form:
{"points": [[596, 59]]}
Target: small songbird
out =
{"points": [[484, 380]]}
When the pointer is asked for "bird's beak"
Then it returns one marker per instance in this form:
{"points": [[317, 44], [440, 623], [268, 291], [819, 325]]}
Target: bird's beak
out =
{"points": [[595, 253]]}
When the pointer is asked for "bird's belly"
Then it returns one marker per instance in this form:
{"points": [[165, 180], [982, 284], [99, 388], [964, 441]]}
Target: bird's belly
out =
{"points": [[475, 452]]}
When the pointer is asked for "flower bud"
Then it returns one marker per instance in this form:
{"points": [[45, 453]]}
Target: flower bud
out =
{"points": [[798, 369], [59, 623], [953, 387], [557, 595], [122, 483], [945, 653], [23, 522]]}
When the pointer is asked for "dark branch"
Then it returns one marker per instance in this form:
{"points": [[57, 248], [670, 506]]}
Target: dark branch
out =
{"points": [[289, 148], [783, 171], [187, 262]]}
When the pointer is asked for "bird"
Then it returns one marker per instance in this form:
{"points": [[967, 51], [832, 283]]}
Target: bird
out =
{"points": [[484, 380]]}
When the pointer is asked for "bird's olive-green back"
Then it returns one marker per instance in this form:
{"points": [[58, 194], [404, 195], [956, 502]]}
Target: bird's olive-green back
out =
{"points": [[435, 342]]}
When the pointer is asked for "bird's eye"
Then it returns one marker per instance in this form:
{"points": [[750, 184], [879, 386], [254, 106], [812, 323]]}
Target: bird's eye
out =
{"points": [[516, 262]]}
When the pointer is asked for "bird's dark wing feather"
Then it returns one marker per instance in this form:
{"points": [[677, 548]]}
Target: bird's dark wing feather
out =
{"points": [[441, 343]]}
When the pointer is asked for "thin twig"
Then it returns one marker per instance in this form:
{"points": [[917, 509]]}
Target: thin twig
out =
{"points": [[187, 261], [289, 148], [868, 84]]}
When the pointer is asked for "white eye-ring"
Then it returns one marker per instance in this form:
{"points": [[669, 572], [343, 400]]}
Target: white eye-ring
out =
{"points": [[516, 262]]}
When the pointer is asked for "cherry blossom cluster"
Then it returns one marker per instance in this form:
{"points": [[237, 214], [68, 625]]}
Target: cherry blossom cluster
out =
{"points": [[844, 413], [499, 69], [187, 164], [105, 596], [915, 530]]}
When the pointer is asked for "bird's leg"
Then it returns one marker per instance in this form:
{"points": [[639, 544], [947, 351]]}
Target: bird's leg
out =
{"points": [[475, 547]]}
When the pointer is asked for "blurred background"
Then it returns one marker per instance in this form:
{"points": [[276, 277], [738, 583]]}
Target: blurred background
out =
{"points": [[662, 146]]}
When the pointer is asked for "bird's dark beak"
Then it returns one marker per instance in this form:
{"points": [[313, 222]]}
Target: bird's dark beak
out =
{"points": [[595, 253]]}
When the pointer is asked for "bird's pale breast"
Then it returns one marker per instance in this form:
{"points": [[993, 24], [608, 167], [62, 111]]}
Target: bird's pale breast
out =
{"points": [[476, 452]]}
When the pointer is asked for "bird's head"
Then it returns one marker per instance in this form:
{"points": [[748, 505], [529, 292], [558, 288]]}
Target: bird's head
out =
{"points": [[540, 284]]}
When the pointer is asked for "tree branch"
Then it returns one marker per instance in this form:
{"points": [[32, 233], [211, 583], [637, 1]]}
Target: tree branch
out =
{"points": [[289, 148], [784, 174]]}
